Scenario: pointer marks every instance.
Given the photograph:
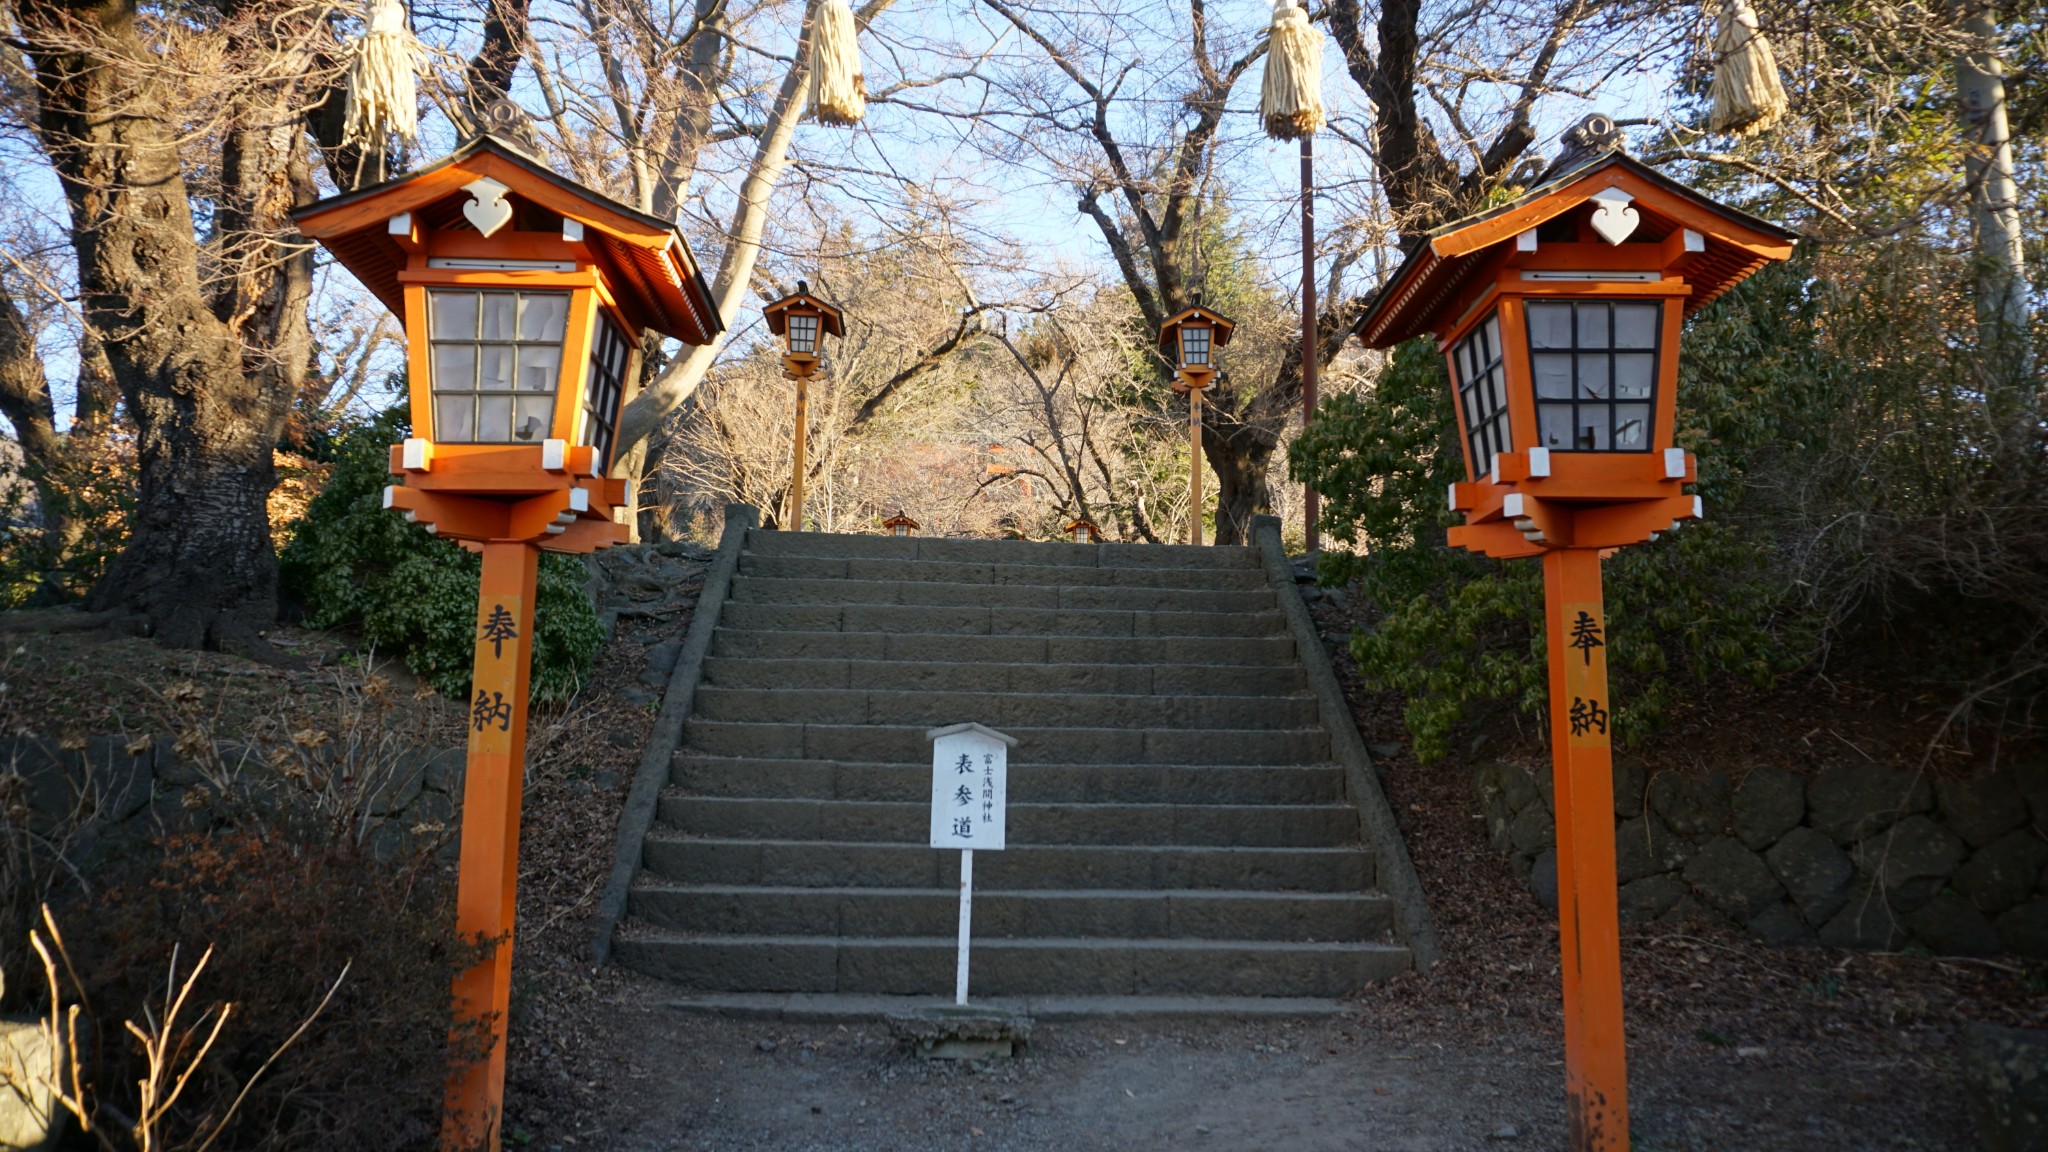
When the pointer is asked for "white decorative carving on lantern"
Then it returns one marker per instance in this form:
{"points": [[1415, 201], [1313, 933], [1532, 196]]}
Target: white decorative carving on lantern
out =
{"points": [[488, 211], [1614, 220]]}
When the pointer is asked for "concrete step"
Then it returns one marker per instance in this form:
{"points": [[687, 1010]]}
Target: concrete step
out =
{"points": [[1239, 651], [923, 965], [927, 548], [972, 621], [1029, 783], [852, 864], [907, 743], [1001, 709], [832, 1008], [1247, 826], [1001, 914], [926, 675], [1238, 579], [932, 593]]}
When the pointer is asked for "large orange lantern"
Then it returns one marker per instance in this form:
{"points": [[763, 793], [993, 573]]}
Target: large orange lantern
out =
{"points": [[1560, 315], [524, 296]]}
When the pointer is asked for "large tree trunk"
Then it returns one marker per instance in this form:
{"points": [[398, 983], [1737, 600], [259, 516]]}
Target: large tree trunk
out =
{"points": [[1994, 195], [208, 345]]}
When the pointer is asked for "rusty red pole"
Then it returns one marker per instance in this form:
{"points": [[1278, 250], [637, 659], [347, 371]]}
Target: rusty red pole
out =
{"points": [[1310, 501]]}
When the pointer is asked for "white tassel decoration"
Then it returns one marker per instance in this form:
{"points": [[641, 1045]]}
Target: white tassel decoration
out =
{"points": [[1291, 98], [383, 103], [839, 93], [1748, 97]]}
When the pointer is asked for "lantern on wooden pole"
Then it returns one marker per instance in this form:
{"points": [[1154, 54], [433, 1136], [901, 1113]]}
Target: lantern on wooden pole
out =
{"points": [[1084, 531], [1190, 339], [1560, 315], [523, 296], [1291, 108], [803, 321], [900, 525]]}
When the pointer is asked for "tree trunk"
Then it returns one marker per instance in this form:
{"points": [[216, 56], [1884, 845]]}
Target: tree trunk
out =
{"points": [[1994, 196], [1239, 454], [207, 344]]}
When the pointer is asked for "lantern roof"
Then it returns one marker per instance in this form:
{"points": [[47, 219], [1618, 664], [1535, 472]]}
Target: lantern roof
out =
{"points": [[1709, 245], [899, 520], [1199, 314], [644, 258], [777, 312]]}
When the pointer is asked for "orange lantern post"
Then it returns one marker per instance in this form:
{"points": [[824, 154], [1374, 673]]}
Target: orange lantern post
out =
{"points": [[523, 296], [1190, 339], [803, 321], [1560, 315]]}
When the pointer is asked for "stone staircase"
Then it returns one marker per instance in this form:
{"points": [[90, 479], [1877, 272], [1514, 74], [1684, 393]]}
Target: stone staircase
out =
{"points": [[1178, 826]]}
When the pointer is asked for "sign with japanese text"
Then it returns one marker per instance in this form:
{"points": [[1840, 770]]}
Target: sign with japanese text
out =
{"points": [[970, 786], [1585, 675]]}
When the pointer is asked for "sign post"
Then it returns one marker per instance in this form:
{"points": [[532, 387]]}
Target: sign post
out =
{"points": [[970, 796]]}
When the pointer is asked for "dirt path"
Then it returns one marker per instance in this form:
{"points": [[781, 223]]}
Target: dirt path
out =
{"points": [[674, 1081]]}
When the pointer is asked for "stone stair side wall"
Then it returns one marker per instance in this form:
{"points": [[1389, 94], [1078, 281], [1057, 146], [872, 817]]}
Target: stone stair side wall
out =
{"points": [[643, 801], [1378, 827], [1860, 856]]}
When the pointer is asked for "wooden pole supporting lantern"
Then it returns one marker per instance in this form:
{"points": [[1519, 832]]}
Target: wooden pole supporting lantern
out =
{"points": [[1190, 339], [803, 321], [1560, 314], [523, 297]]}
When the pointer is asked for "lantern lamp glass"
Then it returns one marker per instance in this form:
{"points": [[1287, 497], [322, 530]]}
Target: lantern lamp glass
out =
{"points": [[1194, 345], [1481, 378], [1594, 367], [803, 332], [496, 362], [610, 354]]}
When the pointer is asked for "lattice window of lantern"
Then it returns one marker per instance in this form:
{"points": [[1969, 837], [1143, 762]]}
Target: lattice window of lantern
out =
{"points": [[1483, 390], [496, 361], [1594, 366]]}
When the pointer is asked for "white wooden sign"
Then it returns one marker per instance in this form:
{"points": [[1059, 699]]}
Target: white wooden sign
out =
{"points": [[970, 786], [970, 792]]}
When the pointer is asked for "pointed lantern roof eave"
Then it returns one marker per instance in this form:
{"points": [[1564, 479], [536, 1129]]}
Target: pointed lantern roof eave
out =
{"points": [[644, 254], [1441, 264]]}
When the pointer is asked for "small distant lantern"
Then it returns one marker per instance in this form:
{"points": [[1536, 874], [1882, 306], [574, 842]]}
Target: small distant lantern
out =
{"points": [[900, 525], [524, 296], [1083, 531], [801, 319], [1189, 340], [1560, 315]]}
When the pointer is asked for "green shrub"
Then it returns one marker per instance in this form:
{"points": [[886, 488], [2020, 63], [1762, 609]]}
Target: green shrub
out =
{"points": [[355, 564]]}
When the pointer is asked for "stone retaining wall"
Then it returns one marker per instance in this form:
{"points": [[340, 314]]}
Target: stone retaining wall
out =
{"points": [[107, 791], [1858, 856]]}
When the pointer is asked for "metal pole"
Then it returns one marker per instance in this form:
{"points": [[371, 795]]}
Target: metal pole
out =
{"points": [[487, 883], [796, 475], [1194, 466], [1588, 919], [1310, 502], [966, 919]]}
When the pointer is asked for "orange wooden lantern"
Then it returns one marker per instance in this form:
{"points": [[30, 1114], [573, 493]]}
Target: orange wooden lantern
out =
{"points": [[1084, 531], [1189, 340], [900, 525], [523, 297], [1560, 314], [803, 321]]}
